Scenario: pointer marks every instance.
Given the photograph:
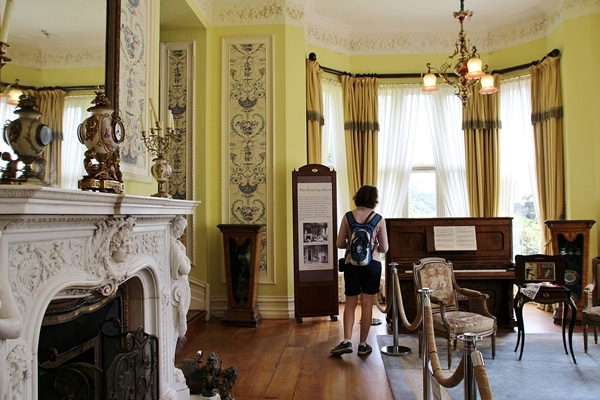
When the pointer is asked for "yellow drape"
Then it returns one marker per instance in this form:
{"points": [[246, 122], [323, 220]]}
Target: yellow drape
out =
{"points": [[546, 117], [51, 105], [361, 128], [481, 124], [314, 112]]}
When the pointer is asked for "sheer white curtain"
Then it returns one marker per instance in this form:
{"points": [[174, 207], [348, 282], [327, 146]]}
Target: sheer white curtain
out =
{"points": [[334, 145], [6, 114], [444, 113], [398, 124], [73, 150], [517, 156]]}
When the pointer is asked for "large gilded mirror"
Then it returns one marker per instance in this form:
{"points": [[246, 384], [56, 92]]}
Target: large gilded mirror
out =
{"points": [[62, 43]]}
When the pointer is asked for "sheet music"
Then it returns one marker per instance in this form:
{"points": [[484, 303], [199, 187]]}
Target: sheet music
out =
{"points": [[454, 238]]}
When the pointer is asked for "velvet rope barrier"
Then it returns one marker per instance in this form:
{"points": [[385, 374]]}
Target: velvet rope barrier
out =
{"points": [[408, 325], [483, 384], [438, 374]]}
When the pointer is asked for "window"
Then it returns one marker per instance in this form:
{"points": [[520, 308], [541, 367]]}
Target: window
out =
{"points": [[421, 155], [72, 150], [6, 114], [518, 197]]}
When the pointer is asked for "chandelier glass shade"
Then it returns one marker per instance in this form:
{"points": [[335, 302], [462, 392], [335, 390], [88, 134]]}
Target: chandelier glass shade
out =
{"points": [[467, 69]]}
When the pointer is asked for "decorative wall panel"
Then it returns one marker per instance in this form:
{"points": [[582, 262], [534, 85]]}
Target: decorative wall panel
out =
{"points": [[177, 69], [133, 86], [177, 97], [247, 136]]}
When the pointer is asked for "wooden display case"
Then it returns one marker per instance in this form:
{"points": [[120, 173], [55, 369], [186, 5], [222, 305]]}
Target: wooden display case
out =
{"points": [[571, 238]]}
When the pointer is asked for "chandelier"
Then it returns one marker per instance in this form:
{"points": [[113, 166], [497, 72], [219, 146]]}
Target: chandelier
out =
{"points": [[468, 67]]}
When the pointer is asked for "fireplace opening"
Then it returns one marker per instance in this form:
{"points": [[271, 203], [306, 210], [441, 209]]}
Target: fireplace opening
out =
{"points": [[86, 352]]}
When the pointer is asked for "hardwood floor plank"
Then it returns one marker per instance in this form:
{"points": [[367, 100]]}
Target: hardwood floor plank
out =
{"points": [[289, 360]]}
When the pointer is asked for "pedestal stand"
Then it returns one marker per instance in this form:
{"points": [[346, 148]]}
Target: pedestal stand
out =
{"points": [[242, 245]]}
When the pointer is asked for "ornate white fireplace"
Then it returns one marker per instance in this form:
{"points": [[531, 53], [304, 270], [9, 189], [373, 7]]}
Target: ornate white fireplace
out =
{"points": [[58, 245]]}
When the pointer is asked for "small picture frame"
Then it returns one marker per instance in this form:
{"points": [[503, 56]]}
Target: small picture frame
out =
{"points": [[540, 272]]}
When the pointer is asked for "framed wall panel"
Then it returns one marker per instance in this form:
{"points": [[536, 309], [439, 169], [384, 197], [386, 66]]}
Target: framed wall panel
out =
{"points": [[247, 134]]}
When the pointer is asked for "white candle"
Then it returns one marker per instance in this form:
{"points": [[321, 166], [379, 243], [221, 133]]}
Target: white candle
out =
{"points": [[8, 9], [142, 123], [171, 122], [154, 113]]}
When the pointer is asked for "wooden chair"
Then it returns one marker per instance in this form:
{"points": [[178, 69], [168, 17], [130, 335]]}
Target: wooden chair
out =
{"points": [[590, 315], [448, 320]]}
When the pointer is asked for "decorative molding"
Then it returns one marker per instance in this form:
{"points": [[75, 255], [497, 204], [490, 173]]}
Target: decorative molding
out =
{"points": [[200, 296], [259, 12], [88, 246], [57, 58], [338, 37], [271, 307]]}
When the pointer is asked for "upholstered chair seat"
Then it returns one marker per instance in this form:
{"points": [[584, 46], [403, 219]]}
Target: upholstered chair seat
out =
{"points": [[449, 320], [590, 315]]}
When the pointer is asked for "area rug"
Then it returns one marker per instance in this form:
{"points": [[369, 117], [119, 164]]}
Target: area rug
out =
{"points": [[545, 371]]}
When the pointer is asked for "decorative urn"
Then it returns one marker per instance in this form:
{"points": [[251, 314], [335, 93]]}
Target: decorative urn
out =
{"points": [[28, 138], [101, 133]]}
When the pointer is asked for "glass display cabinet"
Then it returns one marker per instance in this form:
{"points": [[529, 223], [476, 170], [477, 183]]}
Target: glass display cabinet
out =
{"points": [[571, 238]]}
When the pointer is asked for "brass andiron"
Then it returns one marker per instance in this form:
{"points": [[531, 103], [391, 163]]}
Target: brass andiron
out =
{"points": [[157, 142]]}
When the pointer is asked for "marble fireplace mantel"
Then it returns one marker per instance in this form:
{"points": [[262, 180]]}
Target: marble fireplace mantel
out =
{"points": [[61, 244]]}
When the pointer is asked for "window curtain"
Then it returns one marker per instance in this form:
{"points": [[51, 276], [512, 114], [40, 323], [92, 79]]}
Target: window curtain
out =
{"points": [[73, 151], [546, 117], [51, 106], [399, 115], [361, 127], [314, 111], [334, 146], [517, 162], [481, 125], [447, 141]]}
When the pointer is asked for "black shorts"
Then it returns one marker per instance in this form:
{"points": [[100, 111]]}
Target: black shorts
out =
{"points": [[365, 279]]}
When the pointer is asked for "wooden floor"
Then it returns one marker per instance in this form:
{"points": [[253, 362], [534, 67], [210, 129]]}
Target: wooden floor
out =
{"points": [[285, 359]]}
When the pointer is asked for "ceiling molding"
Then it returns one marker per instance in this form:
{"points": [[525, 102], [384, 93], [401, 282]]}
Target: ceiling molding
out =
{"points": [[324, 32], [58, 58]]}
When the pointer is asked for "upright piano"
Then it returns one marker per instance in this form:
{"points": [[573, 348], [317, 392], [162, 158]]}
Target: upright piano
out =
{"points": [[487, 266]]}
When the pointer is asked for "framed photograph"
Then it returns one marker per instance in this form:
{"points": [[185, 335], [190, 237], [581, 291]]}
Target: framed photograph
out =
{"points": [[540, 272]]}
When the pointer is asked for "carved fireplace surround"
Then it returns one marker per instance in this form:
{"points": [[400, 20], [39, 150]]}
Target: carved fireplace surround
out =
{"points": [[60, 244]]}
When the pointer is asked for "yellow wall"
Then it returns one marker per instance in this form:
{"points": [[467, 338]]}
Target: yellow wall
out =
{"points": [[90, 76], [574, 38], [289, 151]]}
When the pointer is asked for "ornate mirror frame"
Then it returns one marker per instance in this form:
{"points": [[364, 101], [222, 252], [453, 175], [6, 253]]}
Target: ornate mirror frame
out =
{"points": [[113, 49]]}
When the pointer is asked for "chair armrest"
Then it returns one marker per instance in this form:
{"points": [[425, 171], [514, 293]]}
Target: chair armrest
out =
{"points": [[481, 298], [471, 293], [589, 287], [588, 295]]}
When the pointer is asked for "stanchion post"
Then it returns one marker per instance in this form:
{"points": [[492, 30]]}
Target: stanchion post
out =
{"points": [[470, 343], [425, 302], [395, 349]]}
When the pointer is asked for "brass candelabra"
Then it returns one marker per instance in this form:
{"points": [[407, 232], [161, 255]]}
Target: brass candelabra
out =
{"points": [[157, 142]]}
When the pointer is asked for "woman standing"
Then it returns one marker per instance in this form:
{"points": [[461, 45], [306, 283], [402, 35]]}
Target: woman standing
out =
{"points": [[361, 279]]}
